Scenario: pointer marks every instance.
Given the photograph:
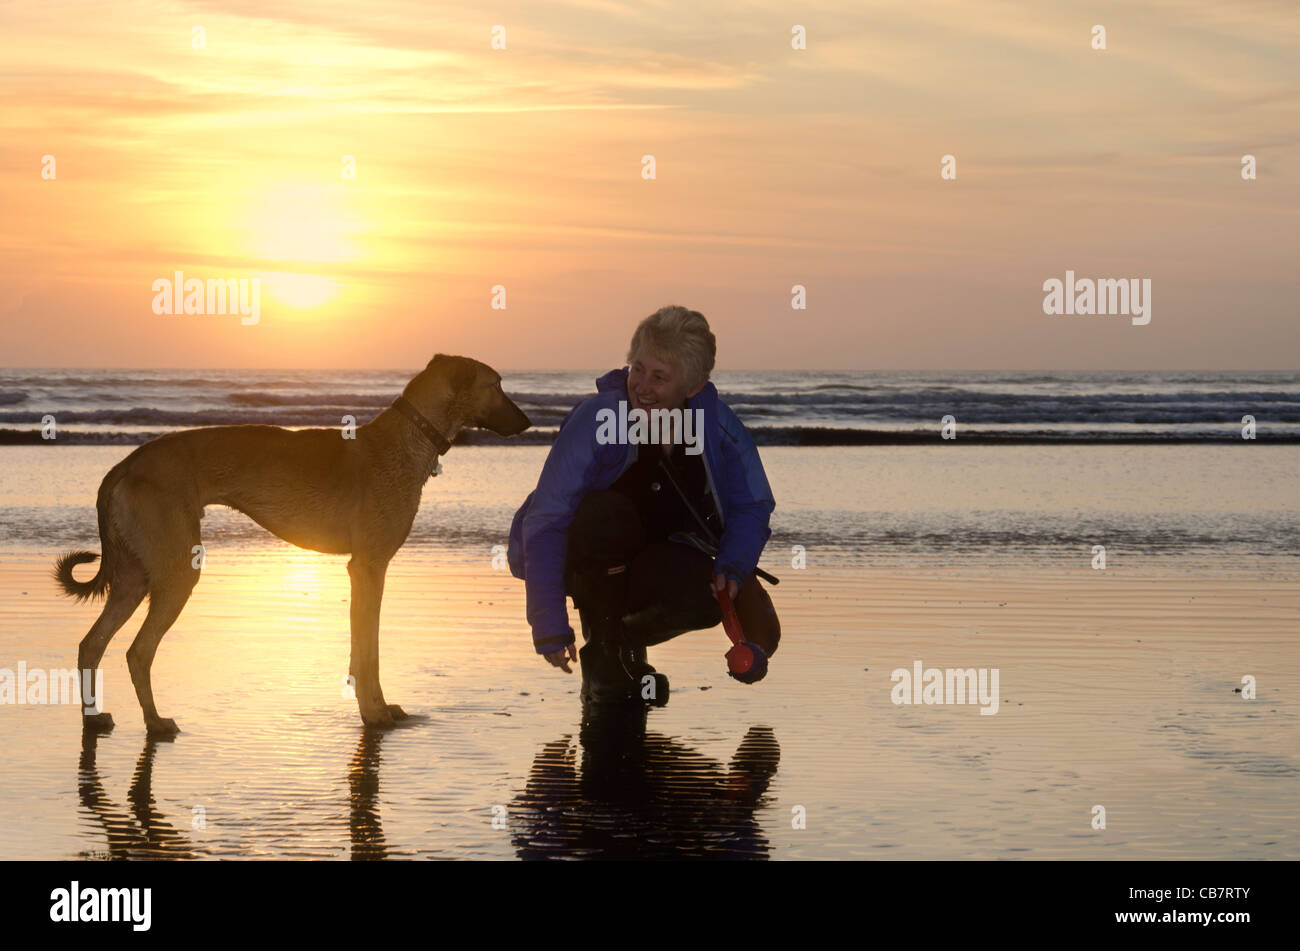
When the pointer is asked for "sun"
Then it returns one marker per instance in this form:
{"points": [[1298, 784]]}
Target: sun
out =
{"points": [[300, 291], [302, 223], [302, 230]]}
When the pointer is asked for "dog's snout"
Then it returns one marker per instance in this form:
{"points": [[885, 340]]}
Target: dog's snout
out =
{"points": [[506, 419]]}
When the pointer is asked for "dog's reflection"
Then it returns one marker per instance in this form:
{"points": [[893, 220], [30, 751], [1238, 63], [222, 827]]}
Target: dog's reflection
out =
{"points": [[367, 832], [639, 795], [142, 832]]}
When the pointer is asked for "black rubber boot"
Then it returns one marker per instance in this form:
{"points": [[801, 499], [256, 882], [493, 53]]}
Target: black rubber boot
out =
{"points": [[604, 678], [601, 595], [652, 686]]}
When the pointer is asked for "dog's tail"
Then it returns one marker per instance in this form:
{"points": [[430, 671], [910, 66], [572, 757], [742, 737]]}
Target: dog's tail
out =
{"points": [[81, 590], [98, 585]]}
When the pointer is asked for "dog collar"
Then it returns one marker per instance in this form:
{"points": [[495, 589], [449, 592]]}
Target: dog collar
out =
{"points": [[431, 433]]}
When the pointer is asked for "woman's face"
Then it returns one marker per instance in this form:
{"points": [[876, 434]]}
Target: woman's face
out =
{"points": [[654, 383]]}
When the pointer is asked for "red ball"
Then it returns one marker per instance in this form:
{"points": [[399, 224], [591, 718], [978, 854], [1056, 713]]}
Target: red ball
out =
{"points": [[747, 662], [740, 659]]}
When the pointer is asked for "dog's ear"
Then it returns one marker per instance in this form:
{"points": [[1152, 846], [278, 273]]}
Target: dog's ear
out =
{"points": [[464, 375], [461, 373]]}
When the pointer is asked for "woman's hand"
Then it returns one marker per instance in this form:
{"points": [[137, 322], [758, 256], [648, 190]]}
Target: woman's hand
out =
{"points": [[558, 659], [732, 586]]}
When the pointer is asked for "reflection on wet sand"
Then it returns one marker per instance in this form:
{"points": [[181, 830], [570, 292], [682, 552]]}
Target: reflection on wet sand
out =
{"points": [[639, 795], [143, 833], [367, 832]]}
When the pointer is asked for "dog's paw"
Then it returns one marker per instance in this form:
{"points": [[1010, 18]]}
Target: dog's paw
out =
{"points": [[378, 721], [98, 722], [163, 727]]}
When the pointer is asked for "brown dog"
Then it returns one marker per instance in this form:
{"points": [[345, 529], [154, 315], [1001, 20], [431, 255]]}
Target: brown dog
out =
{"points": [[311, 487]]}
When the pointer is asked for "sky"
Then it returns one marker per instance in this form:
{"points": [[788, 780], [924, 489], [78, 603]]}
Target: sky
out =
{"points": [[215, 138]]}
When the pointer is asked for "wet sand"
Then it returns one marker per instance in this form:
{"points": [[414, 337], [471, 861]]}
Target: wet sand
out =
{"points": [[1115, 690]]}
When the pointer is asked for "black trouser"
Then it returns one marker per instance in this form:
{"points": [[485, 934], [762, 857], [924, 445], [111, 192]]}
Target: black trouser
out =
{"points": [[665, 586]]}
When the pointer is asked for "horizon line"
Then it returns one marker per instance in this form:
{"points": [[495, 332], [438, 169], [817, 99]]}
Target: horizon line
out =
{"points": [[355, 369]]}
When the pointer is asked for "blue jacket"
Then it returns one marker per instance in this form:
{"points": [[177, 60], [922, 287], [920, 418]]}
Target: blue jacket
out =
{"points": [[578, 464]]}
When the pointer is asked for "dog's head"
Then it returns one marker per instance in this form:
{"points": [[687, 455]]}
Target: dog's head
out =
{"points": [[472, 393]]}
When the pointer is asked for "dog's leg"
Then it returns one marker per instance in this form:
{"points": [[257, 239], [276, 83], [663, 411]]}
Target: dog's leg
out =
{"points": [[167, 597], [124, 595], [367, 593]]}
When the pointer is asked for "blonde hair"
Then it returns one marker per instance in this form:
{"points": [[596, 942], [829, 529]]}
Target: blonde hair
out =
{"points": [[680, 335]]}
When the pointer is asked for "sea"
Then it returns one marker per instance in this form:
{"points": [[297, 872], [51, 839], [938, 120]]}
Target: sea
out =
{"points": [[1199, 467], [780, 408]]}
